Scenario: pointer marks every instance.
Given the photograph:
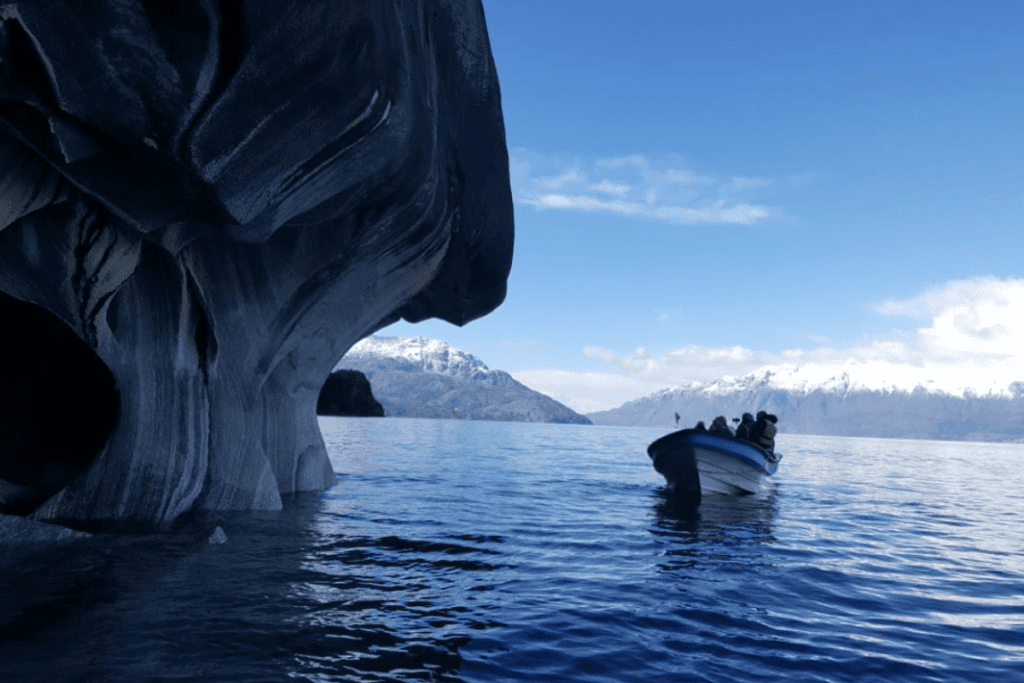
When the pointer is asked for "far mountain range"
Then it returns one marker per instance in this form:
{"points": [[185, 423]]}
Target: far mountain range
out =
{"points": [[416, 377], [846, 403]]}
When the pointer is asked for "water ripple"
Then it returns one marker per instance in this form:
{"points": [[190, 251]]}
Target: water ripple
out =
{"points": [[504, 552]]}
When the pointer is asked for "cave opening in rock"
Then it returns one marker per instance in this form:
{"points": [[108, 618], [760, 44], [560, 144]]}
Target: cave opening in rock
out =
{"points": [[58, 404]]}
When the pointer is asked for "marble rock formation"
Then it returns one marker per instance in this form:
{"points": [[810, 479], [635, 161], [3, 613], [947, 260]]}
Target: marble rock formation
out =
{"points": [[348, 393], [203, 205], [19, 530]]}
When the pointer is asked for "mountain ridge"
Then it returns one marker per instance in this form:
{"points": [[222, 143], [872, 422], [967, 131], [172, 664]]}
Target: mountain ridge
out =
{"points": [[840, 404], [417, 377]]}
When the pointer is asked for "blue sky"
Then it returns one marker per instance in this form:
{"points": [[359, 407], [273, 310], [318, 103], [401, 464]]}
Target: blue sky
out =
{"points": [[707, 188]]}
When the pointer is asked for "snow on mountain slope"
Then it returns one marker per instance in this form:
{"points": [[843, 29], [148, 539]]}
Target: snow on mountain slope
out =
{"points": [[863, 376], [416, 377], [844, 403]]}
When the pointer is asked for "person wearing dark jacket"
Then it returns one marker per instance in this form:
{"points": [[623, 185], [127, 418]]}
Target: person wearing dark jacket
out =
{"points": [[755, 427], [720, 426], [743, 430], [763, 432]]}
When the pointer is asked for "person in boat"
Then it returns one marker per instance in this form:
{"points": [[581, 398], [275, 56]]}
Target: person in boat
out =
{"points": [[720, 426], [764, 430], [743, 429], [755, 429], [700, 427]]}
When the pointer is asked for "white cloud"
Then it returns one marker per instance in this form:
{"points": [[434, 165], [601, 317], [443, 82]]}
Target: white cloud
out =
{"points": [[719, 213], [634, 160], [608, 187], [673, 175], [974, 341], [634, 186], [586, 392], [681, 366], [738, 183], [978, 318], [586, 203], [559, 181]]}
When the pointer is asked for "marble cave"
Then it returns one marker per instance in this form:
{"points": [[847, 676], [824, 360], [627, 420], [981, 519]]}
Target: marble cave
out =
{"points": [[203, 205]]}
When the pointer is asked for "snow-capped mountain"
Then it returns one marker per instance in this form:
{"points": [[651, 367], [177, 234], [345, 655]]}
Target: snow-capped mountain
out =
{"points": [[416, 377], [843, 403]]}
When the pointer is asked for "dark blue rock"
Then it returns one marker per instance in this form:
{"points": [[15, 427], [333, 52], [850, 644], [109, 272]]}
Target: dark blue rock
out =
{"points": [[348, 393], [220, 198]]}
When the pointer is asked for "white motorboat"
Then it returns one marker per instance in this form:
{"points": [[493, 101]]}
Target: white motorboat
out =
{"points": [[696, 462]]}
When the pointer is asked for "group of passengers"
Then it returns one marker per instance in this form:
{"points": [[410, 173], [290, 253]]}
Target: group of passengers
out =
{"points": [[760, 430]]}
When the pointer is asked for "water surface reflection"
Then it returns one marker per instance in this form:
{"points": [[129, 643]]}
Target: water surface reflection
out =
{"points": [[723, 530]]}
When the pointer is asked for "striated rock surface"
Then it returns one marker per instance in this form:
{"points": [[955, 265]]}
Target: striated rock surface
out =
{"points": [[348, 393], [218, 199], [417, 377]]}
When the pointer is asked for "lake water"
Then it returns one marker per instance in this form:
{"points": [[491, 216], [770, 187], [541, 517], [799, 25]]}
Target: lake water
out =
{"points": [[490, 551]]}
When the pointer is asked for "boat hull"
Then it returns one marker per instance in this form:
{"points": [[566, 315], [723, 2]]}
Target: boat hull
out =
{"points": [[711, 463]]}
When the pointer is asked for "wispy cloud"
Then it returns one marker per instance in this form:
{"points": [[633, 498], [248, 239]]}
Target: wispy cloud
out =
{"points": [[674, 175], [608, 187], [680, 366], [585, 392], [557, 182], [738, 183], [656, 189], [668, 315], [632, 161]]}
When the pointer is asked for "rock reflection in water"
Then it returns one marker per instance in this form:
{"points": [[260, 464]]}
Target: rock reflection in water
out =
{"points": [[285, 595]]}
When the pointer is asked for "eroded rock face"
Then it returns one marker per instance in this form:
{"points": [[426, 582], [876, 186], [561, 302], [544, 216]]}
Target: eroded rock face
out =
{"points": [[220, 198]]}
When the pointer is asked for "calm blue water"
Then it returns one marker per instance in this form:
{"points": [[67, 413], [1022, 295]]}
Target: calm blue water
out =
{"points": [[488, 551]]}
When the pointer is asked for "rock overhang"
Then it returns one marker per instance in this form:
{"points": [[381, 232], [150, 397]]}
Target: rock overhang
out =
{"points": [[221, 201]]}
